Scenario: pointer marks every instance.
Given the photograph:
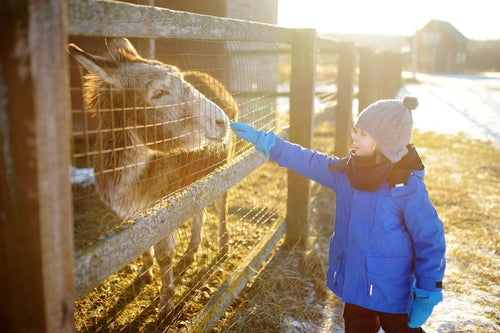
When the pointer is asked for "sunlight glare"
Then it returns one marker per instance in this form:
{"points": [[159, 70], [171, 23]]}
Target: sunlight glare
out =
{"points": [[394, 17]]}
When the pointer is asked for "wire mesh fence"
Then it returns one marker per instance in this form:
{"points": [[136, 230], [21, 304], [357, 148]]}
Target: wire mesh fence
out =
{"points": [[119, 132], [124, 302]]}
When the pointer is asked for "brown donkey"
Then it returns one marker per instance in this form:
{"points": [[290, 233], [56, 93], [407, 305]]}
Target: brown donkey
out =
{"points": [[156, 134]]}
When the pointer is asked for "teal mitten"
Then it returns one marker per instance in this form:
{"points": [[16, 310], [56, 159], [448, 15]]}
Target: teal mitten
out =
{"points": [[263, 141], [422, 306]]}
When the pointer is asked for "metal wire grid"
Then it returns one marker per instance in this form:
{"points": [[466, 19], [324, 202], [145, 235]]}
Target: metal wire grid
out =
{"points": [[252, 79]]}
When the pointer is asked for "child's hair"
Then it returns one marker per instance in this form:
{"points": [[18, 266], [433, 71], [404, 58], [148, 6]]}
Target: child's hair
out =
{"points": [[390, 123]]}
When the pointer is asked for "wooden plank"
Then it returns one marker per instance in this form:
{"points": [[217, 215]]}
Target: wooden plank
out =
{"points": [[327, 44], [368, 69], [36, 283], [302, 87], [226, 294], [343, 115], [327, 114], [389, 78], [107, 255], [117, 19]]}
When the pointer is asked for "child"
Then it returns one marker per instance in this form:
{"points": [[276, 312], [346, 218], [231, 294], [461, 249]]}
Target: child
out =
{"points": [[386, 256]]}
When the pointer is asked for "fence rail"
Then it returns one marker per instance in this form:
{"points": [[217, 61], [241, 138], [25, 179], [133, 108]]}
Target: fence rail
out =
{"points": [[116, 19]]}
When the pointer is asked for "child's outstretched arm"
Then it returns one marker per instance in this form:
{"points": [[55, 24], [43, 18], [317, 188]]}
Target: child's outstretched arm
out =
{"points": [[263, 141], [309, 163]]}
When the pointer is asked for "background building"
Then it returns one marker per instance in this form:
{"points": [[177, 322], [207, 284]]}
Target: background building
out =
{"points": [[440, 47]]}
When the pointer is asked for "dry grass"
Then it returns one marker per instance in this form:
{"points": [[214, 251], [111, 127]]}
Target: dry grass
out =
{"points": [[124, 303], [463, 179]]}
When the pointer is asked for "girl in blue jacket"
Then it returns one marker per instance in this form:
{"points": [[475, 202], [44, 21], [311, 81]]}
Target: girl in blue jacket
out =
{"points": [[387, 254]]}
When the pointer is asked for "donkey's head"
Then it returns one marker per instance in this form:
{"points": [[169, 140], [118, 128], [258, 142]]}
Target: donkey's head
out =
{"points": [[152, 98]]}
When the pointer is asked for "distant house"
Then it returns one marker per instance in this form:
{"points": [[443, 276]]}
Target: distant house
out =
{"points": [[440, 47]]}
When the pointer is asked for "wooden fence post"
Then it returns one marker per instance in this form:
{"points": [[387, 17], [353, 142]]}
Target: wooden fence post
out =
{"points": [[368, 90], [36, 234], [389, 74], [302, 82], [343, 113]]}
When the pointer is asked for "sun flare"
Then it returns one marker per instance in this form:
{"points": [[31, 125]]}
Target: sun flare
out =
{"points": [[394, 17]]}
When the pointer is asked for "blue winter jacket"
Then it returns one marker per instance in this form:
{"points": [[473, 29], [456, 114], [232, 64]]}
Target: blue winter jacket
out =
{"points": [[385, 242]]}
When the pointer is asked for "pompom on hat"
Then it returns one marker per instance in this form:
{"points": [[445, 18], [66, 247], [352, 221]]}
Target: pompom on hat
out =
{"points": [[390, 123]]}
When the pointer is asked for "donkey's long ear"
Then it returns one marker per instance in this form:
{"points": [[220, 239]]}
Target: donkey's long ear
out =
{"points": [[121, 49], [97, 65]]}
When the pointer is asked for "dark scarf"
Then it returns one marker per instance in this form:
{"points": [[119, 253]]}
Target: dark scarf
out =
{"points": [[405, 166], [365, 173]]}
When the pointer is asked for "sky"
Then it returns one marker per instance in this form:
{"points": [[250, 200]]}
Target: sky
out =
{"points": [[477, 19]]}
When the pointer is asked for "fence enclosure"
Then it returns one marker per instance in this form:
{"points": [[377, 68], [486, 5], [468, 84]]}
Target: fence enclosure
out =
{"points": [[36, 222]]}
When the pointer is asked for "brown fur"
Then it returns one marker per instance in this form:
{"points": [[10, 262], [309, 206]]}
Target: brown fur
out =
{"points": [[157, 134]]}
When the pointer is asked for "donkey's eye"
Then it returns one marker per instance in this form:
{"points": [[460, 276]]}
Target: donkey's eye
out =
{"points": [[160, 93]]}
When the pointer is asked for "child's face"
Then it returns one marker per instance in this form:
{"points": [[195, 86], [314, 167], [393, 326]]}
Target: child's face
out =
{"points": [[364, 145]]}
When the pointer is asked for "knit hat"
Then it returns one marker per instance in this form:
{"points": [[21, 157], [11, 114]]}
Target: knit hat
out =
{"points": [[390, 124]]}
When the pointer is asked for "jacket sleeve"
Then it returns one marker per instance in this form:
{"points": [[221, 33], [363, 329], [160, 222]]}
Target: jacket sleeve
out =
{"points": [[309, 163], [427, 232]]}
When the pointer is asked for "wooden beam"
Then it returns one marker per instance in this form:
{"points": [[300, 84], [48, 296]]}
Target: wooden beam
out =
{"points": [[302, 87], [343, 114], [118, 19], [226, 294], [36, 283], [368, 73]]}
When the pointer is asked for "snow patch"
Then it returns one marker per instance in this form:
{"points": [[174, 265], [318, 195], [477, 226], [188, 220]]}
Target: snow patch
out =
{"points": [[82, 176], [454, 104]]}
